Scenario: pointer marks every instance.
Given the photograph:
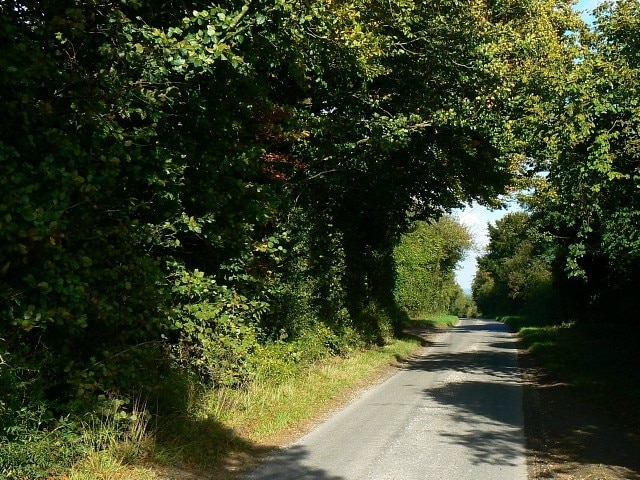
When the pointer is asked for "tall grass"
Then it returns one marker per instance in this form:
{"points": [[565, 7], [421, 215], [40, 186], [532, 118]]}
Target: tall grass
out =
{"points": [[102, 446], [278, 405], [210, 427], [224, 422], [115, 439]]}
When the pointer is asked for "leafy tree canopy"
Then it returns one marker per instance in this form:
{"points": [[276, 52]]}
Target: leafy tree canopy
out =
{"points": [[184, 182]]}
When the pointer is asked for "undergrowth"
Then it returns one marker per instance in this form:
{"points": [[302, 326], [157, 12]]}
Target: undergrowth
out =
{"points": [[200, 425], [598, 359], [93, 446], [227, 421]]}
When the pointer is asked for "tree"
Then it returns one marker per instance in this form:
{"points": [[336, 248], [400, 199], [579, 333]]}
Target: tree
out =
{"points": [[589, 200], [426, 259], [172, 176], [431, 121], [515, 274]]}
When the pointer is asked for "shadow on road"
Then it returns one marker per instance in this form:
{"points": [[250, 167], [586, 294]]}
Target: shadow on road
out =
{"points": [[490, 326], [289, 465], [496, 365], [481, 391], [489, 427]]}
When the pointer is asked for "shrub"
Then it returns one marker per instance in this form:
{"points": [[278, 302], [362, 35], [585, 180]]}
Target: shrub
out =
{"points": [[36, 446]]}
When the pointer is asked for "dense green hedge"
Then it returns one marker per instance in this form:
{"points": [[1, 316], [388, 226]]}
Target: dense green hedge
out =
{"points": [[426, 258]]}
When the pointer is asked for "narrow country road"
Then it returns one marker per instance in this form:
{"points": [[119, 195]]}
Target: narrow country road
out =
{"points": [[454, 413]]}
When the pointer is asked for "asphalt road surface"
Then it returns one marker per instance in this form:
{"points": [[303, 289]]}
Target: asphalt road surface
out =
{"points": [[454, 412]]}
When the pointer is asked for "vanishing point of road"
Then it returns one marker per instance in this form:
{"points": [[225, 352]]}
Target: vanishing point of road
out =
{"points": [[454, 412]]}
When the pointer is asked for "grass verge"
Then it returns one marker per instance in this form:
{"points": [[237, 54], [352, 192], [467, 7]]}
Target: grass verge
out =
{"points": [[281, 405], [599, 360], [430, 321], [232, 421], [225, 430]]}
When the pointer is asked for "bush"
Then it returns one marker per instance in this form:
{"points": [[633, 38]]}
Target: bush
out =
{"points": [[36, 446], [425, 259]]}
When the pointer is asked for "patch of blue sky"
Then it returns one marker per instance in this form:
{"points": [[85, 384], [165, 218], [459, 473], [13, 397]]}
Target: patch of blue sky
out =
{"points": [[585, 7], [477, 217]]}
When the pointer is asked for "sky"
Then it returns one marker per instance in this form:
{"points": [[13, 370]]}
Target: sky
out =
{"points": [[585, 6], [476, 217]]}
